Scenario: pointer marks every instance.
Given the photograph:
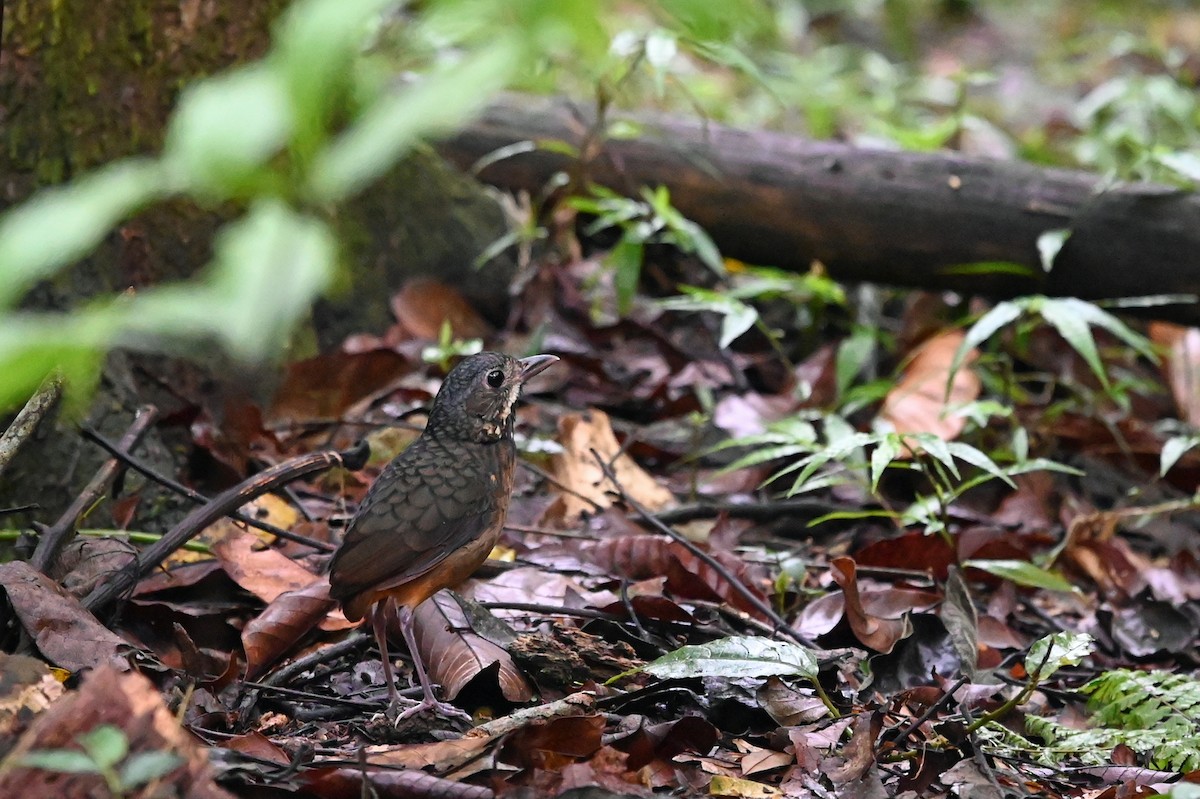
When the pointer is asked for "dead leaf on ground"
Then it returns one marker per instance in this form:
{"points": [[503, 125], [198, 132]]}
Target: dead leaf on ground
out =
{"points": [[327, 386], [585, 486], [133, 705], [64, 631], [455, 655], [266, 573], [424, 305], [878, 633], [288, 618], [27, 687], [918, 403], [1181, 366]]}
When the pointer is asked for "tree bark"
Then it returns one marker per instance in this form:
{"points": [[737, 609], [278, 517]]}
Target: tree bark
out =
{"points": [[900, 218], [85, 83]]}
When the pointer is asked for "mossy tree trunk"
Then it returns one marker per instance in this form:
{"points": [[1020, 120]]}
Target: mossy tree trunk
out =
{"points": [[83, 83]]}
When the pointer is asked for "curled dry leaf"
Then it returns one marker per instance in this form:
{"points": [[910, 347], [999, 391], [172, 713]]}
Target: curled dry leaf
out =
{"points": [[289, 617], [918, 403], [456, 655], [875, 632], [576, 469], [639, 557]]}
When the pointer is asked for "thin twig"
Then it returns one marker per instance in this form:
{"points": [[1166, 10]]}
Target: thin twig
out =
{"points": [[57, 537], [221, 505], [26, 422], [737, 585], [560, 485], [195, 496]]}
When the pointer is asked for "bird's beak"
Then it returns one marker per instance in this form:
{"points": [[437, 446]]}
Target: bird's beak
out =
{"points": [[535, 364]]}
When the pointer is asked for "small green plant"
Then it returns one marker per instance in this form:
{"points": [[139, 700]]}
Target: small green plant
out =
{"points": [[840, 456], [1072, 318], [106, 752], [449, 347], [1154, 713], [810, 294], [651, 220]]}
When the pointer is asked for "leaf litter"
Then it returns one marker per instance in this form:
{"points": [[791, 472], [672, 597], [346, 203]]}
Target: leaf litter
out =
{"points": [[761, 648]]}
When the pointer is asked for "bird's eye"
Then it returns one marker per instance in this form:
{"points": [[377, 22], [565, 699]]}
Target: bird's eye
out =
{"points": [[495, 378]]}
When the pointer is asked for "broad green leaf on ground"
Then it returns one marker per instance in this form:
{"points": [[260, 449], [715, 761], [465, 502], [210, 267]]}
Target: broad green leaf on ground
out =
{"points": [[1051, 653], [737, 656], [1022, 572]]}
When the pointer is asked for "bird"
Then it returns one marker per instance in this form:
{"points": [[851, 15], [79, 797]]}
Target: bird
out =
{"points": [[436, 510]]}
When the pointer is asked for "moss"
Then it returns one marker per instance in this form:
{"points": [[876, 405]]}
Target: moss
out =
{"points": [[87, 83]]}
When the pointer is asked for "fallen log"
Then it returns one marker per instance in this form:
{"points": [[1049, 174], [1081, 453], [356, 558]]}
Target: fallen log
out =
{"points": [[902, 218]]}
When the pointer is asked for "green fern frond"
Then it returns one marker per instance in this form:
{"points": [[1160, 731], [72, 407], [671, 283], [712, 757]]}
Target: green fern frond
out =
{"points": [[1156, 714]]}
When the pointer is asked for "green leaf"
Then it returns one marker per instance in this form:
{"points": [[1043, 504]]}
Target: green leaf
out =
{"points": [[1099, 317], [626, 261], [268, 268], [937, 449], [146, 766], [1172, 451], [737, 321], [1183, 162], [1065, 317], [394, 123], [977, 458], [1049, 244], [885, 452], [852, 355], [1049, 654], [225, 130], [316, 44], [1022, 572], [981, 331], [32, 346], [64, 761], [737, 656], [106, 745], [61, 225]]}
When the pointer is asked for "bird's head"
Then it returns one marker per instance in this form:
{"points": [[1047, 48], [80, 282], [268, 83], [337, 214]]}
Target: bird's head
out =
{"points": [[476, 399]]}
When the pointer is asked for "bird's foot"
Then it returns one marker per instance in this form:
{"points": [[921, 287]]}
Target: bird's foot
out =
{"points": [[400, 710]]}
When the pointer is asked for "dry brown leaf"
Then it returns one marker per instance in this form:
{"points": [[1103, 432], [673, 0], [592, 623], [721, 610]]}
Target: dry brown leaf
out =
{"points": [[64, 631], [918, 403], [875, 632], [266, 573], [576, 469], [126, 701], [1181, 366], [423, 305], [455, 654], [289, 617], [327, 386]]}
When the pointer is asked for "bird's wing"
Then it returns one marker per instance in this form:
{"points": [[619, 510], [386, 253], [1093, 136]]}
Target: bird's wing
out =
{"points": [[428, 503]]}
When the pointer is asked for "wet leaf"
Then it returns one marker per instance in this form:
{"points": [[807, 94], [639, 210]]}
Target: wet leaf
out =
{"points": [[737, 656]]}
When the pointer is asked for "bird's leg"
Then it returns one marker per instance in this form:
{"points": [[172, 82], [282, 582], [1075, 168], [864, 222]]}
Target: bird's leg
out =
{"points": [[379, 624], [430, 702]]}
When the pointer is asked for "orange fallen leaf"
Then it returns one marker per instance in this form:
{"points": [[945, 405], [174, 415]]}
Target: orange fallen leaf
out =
{"points": [[584, 486], [919, 403], [1181, 366]]}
